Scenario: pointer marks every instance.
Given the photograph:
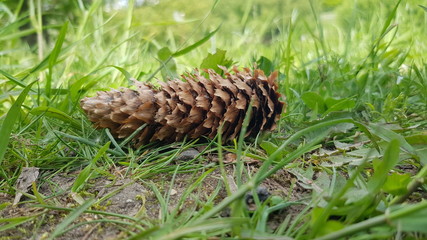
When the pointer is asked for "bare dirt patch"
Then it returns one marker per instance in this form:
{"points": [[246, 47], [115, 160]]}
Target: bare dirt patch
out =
{"points": [[133, 198]]}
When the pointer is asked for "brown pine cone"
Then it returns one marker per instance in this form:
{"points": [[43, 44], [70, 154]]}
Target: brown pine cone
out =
{"points": [[194, 107]]}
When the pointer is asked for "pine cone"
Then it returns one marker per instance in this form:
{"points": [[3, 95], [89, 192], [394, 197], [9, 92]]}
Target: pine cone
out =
{"points": [[196, 107]]}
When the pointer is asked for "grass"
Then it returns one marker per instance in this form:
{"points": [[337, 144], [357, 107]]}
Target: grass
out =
{"points": [[346, 161]]}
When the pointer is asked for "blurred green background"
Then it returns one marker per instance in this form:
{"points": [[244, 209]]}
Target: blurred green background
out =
{"points": [[249, 29], [338, 48]]}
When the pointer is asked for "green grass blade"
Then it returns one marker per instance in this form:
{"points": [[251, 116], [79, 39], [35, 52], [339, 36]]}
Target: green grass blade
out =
{"points": [[55, 113], [53, 57], [15, 35], [386, 27], [42, 65], [113, 141], [123, 71], [376, 221], [13, 79], [60, 228], [163, 212], [86, 172], [13, 26], [88, 142], [13, 222], [146, 233], [196, 44], [389, 135], [413, 186], [265, 171], [128, 139], [221, 162], [390, 159], [110, 214], [239, 164], [9, 121], [45, 62], [208, 225], [58, 45], [36, 193]]}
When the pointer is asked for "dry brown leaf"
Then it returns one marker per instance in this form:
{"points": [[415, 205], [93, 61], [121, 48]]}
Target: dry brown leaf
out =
{"points": [[25, 180]]}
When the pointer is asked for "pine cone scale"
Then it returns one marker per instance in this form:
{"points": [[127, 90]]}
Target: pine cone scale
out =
{"points": [[196, 107]]}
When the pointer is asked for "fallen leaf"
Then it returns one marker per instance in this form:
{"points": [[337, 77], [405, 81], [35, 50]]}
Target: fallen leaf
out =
{"points": [[26, 178]]}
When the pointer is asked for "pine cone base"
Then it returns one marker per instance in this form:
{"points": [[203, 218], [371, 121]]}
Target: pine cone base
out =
{"points": [[194, 107]]}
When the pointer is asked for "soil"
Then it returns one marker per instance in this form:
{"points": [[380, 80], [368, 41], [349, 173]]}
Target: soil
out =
{"points": [[133, 198]]}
